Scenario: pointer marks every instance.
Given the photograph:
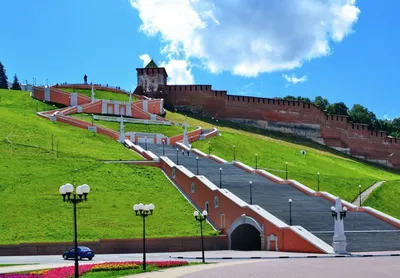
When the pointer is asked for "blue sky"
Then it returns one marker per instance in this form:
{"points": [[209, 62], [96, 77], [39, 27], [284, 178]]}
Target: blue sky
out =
{"points": [[244, 46]]}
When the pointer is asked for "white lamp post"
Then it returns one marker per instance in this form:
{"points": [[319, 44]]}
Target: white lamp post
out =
{"points": [[144, 211], [82, 191]]}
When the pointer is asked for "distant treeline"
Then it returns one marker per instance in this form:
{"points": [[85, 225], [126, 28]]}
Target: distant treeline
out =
{"points": [[4, 80]]}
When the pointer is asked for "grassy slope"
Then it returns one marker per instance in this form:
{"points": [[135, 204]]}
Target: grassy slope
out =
{"points": [[129, 127], [386, 198], [31, 207], [100, 94], [339, 175]]}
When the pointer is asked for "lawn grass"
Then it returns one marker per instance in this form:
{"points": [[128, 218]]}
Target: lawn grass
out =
{"points": [[23, 127], [120, 273], [31, 207], [339, 175], [101, 94], [386, 198], [167, 130], [131, 271]]}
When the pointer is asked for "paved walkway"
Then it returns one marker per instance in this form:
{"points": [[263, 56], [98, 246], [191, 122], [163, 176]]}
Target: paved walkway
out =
{"points": [[365, 194], [189, 270], [387, 267]]}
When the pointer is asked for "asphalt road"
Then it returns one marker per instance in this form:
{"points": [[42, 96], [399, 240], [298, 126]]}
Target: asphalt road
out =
{"points": [[57, 259]]}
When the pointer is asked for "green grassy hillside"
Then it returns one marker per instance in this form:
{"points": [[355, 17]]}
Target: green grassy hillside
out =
{"points": [[339, 175], [31, 207], [130, 127], [386, 198], [100, 94]]}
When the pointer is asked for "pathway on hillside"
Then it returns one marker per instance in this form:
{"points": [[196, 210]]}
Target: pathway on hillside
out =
{"points": [[364, 231], [364, 195]]}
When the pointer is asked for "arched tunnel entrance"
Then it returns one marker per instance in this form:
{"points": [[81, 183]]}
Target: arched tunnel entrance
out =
{"points": [[245, 237]]}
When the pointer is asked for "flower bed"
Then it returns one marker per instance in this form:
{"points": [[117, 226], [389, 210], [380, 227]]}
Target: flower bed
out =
{"points": [[68, 271]]}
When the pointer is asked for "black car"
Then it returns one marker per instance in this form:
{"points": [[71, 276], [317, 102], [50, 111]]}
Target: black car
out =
{"points": [[83, 253]]}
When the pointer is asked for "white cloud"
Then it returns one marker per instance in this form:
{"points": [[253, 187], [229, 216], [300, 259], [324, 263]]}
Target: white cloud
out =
{"points": [[294, 80], [179, 72], [145, 59], [247, 37]]}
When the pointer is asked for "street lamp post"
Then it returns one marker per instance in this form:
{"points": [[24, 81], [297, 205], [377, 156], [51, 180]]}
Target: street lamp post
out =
{"points": [[144, 211], [177, 156], [82, 191], [256, 161], [234, 152], [220, 177], [359, 195], [145, 142], [197, 165], [290, 212], [92, 119], [286, 171], [318, 181], [251, 192], [209, 147], [163, 146], [201, 217]]}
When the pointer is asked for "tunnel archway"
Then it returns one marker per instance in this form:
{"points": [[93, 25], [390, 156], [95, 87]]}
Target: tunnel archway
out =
{"points": [[245, 237], [246, 234]]}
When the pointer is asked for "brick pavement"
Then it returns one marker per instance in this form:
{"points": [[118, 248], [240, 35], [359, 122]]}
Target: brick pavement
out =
{"points": [[387, 267]]}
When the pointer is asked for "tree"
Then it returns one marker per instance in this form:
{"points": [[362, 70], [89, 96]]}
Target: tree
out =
{"points": [[385, 125], [289, 98], [396, 124], [338, 108], [304, 99], [3, 77], [15, 85], [360, 114], [321, 102]]}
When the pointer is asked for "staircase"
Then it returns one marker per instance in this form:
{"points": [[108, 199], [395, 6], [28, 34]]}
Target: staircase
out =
{"points": [[364, 232]]}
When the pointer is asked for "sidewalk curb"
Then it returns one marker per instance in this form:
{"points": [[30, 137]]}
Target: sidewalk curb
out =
{"points": [[292, 257]]}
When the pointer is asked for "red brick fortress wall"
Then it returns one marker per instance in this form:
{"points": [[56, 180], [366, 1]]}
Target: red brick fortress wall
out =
{"points": [[295, 117]]}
